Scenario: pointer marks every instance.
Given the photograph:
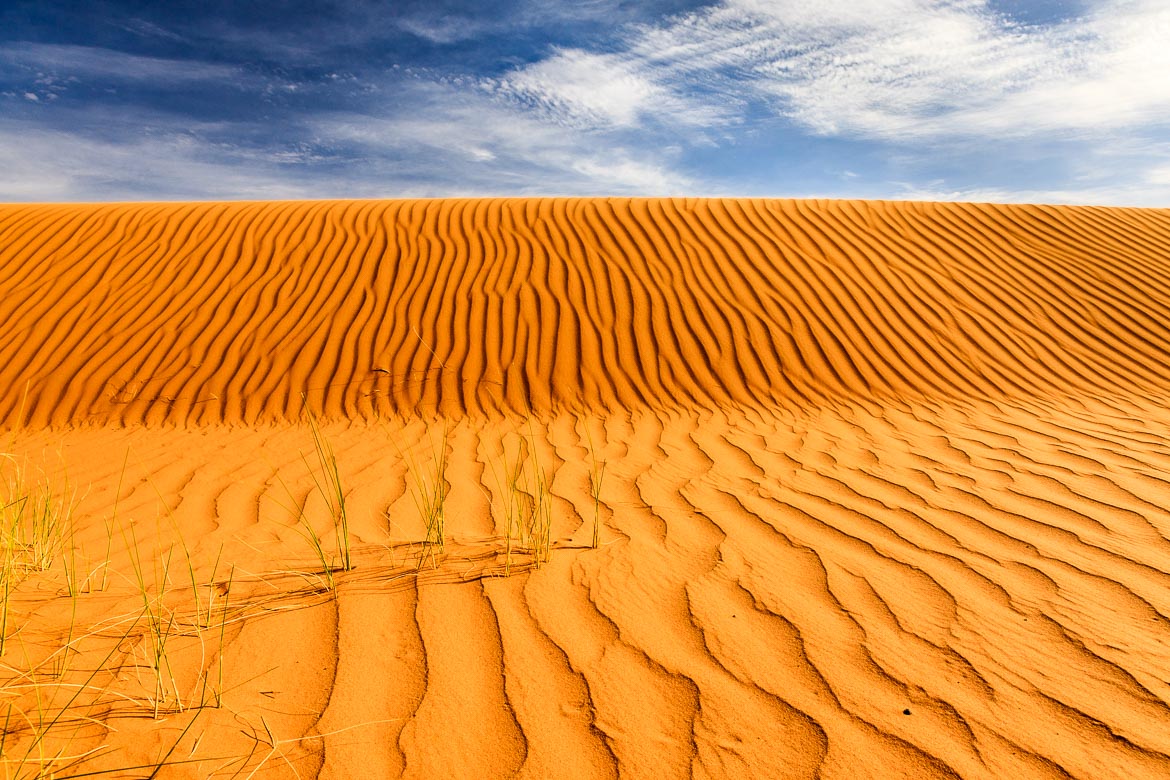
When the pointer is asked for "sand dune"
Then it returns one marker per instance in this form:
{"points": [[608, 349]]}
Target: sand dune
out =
{"points": [[880, 489], [230, 312]]}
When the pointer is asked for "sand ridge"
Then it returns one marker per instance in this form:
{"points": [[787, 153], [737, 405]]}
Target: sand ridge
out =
{"points": [[230, 312], [884, 487]]}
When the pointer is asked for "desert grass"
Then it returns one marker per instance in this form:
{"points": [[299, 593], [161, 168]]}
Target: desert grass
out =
{"points": [[203, 617], [9, 573], [429, 489], [507, 474], [525, 490], [54, 707], [327, 561], [39, 742], [77, 582], [227, 590], [276, 745], [513, 508], [7, 583], [596, 478], [167, 614], [49, 709], [161, 624], [326, 475], [36, 527], [539, 519], [328, 482], [36, 522], [51, 703]]}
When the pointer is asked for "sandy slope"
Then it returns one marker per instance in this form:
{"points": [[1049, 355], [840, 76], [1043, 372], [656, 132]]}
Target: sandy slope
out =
{"points": [[229, 312], [885, 488]]}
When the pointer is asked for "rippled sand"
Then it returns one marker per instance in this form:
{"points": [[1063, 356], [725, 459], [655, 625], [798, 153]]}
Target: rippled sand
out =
{"points": [[881, 488]]}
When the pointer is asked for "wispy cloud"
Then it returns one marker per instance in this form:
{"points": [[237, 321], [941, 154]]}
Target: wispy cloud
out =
{"points": [[610, 91], [887, 69], [450, 142], [465, 143], [99, 65], [62, 165], [1138, 194], [779, 97], [442, 29], [925, 78]]}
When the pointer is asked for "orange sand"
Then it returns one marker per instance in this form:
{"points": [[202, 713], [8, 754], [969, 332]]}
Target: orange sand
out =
{"points": [[885, 488]]}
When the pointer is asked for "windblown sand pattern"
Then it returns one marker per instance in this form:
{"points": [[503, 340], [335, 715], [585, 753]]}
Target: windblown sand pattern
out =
{"points": [[886, 485], [230, 312]]}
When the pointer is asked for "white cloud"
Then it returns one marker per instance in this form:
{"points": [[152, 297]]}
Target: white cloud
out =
{"points": [[55, 62], [930, 80], [1125, 173], [925, 77], [449, 143], [1135, 195], [599, 91], [442, 29], [60, 165], [1159, 176], [886, 69], [465, 143]]}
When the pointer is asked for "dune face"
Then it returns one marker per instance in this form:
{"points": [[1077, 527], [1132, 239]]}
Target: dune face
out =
{"points": [[209, 313], [722, 488]]}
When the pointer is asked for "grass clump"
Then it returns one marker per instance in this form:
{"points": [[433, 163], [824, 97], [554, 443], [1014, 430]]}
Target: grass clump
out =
{"points": [[328, 484], [540, 516], [37, 742], [36, 528], [526, 490], [596, 477], [168, 618], [161, 623], [429, 491], [47, 714], [35, 522]]}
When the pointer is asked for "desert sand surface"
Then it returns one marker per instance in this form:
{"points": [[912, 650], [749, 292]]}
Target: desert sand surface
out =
{"points": [[585, 488]]}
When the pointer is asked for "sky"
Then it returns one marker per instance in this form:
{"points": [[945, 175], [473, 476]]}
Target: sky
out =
{"points": [[1052, 101]]}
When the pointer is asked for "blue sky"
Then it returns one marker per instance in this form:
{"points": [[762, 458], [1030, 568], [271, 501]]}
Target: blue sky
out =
{"points": [[1001, 100]]}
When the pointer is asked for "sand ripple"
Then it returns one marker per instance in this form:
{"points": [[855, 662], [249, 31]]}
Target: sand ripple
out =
{"points": [[885, 492], [209, 313]]}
